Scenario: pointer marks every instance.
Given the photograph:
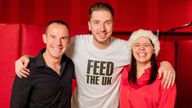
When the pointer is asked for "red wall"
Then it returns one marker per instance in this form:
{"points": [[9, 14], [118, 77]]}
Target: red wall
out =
{"points": [[129, 14], [184, 74], [9, 52], [19, 39]]}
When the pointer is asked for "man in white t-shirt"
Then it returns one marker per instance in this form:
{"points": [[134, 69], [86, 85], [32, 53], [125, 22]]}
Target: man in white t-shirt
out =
{"points": [[99, 59]]}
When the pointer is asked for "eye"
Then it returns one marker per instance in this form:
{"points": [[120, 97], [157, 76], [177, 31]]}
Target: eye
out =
{"points": [[96, 22], [147, 45], [137, 45], [52, 36], [109, 22], [64, 37]]}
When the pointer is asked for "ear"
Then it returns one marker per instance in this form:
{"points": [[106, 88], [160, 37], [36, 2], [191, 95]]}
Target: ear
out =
{"points": [[89, 25], [44, 38]]}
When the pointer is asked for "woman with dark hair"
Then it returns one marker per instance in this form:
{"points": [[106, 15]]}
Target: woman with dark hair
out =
{"points": [[140, 87]]}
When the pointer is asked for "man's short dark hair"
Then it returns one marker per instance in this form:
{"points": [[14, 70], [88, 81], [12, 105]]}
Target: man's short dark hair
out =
{"points": [[100, 6], [57, 22]]}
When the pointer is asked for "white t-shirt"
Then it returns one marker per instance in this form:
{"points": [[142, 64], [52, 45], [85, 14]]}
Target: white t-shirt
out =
{"points": [[97, 71]]}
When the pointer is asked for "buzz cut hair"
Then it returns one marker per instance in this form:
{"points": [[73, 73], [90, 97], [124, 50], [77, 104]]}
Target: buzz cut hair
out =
{"points": [[57, 22]]}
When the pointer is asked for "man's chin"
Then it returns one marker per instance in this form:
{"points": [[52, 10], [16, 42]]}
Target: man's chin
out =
{"points": [[58, 55]]}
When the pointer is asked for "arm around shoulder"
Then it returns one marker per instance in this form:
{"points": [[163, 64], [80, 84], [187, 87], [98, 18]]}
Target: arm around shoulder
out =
{"points": [[167, 73]]}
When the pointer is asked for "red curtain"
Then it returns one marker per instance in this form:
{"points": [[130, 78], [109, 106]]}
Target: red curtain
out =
{"points": [[32, 41], [10, 48], [129, 14], [17, 40], [184, 74]]}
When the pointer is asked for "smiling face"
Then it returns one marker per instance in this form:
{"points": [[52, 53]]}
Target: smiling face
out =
{"points": [[56, 40], [101, 26], [142, 50]]}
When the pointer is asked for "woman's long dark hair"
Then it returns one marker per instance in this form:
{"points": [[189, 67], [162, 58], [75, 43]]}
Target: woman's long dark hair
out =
{"points": [[132, 75]]}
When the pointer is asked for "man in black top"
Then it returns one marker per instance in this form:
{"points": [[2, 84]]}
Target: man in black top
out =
{"points": [[49, 84]]}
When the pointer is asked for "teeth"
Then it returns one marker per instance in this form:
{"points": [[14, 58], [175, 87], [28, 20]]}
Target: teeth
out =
{"points": [[141, 54]]}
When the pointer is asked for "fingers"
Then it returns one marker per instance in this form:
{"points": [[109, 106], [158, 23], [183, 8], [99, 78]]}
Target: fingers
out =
{"points": [[168, 78], [173, 78], [26, 62], [164, 79], [17, 65], [22, 73], [18, 75], [160, 75], [20, 70]]}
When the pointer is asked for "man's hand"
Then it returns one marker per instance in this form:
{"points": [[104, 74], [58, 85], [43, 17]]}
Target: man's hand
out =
{"points": [[21, 66], [167, 73]]}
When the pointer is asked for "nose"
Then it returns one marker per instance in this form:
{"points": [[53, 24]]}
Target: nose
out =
{"points": [[58, 41], [142, 47], [103, 28]]}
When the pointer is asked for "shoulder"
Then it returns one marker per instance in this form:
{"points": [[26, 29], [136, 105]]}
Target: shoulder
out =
{"points": [[125, 70], [32, 62], [66, 59], [80, 37], [35, 64], [119, 42], [80, 40], [124, 79]]}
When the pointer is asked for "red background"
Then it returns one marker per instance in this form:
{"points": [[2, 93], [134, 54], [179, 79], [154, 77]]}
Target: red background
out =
{"points": [[129, 14], [22, 23]]}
